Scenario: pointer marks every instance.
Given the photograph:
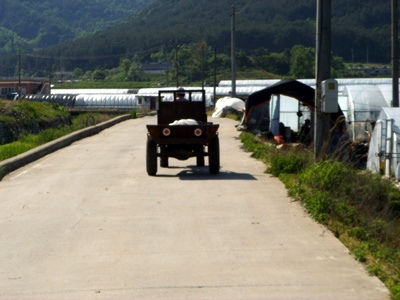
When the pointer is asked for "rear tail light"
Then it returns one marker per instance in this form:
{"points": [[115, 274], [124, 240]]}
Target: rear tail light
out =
{"points": [[198, 132], [166, 131]]}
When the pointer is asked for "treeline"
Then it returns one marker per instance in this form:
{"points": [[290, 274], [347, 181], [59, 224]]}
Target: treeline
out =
{"points": [[199, 63]]}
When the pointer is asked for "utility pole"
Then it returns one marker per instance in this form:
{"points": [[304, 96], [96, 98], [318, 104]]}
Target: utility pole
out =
{"points": [[233, 55], [19, 72], [202, 66], [50, 74], [395, 54], [177, 64], [322, 72], [215, 75]]}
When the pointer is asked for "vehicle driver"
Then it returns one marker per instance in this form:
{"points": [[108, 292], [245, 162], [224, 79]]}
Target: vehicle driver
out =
{"points": [[180, 95]]}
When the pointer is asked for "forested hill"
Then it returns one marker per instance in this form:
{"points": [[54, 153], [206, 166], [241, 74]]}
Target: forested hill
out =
{"points": [[361, 29], [40, 23]]}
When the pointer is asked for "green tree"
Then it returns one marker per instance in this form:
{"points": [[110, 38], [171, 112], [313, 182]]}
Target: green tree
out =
{"points": [[135, 71], [125, 65], [276, 63], [223, 61], [302, 62], [243, 62], [338, 68], [158, 56], [88, 75], [77, 73], [99, 75], [199, 63]]}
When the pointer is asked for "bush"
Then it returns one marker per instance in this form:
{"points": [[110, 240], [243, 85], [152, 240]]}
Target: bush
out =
{"points": [[289, 162], [133, 113], [326, 176], [259, 149]]}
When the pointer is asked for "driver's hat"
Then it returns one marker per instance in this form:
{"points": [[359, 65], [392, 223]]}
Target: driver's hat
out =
{"points": [[181, 91]]}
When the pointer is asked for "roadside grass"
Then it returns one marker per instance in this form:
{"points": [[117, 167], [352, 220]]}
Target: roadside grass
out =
{"points": [[21, 111], [362, 209], [27, 142]]}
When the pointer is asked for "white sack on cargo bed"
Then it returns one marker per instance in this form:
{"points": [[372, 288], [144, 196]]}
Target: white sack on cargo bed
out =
{"points": [[185, 122]]}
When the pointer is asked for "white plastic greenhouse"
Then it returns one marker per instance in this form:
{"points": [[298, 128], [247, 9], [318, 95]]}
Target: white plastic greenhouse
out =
{"points": [[384, 149], [118, 101], [361, 105], [92, 91]]}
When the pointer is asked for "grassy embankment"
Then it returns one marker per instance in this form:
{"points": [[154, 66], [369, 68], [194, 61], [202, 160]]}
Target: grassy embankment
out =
{"points": [[32, 124], [361, 209]]}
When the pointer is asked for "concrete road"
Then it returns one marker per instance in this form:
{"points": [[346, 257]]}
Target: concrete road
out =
{"points": [[86, 222]]}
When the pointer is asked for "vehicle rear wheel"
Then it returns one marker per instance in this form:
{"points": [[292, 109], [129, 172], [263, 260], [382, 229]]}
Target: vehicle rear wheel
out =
{"points": [[151, 157], [213, 155]]}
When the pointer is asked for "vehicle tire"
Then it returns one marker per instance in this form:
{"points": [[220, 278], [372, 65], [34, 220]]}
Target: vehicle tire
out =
{"points": [[151, 157], [213, 155]]}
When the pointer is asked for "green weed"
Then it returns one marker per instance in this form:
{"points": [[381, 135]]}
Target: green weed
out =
{"points": [[293, 162], [257, 147], [133, 113]]}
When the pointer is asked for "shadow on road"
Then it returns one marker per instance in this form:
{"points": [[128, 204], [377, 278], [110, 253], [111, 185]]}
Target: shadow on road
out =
{"points": [[202, 173]]}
